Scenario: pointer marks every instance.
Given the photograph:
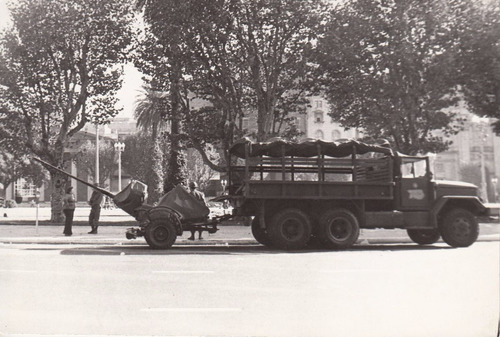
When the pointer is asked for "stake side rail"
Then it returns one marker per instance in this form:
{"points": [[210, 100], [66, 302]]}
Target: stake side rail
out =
{"points": [[315, 177]]}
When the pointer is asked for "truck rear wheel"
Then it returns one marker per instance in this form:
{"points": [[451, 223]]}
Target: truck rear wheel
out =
{"points": [[290, 229], [338, 229], [260, 234], [459, 228], [160, 234], [424, 236]]}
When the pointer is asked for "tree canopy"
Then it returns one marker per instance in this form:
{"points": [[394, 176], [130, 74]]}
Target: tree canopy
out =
{"points": [[238, 56], [480, 67], [60, 67], [391, 69]]}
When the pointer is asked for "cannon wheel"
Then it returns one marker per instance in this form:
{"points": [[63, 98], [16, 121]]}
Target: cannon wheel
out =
{"points": [[160, 234]]}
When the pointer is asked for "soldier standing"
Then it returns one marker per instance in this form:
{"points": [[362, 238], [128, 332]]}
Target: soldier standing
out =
{"points": [[95, 210], [201, 198]]}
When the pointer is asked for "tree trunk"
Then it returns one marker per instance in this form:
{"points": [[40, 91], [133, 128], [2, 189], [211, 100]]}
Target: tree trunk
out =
{"points": [[58, 183], [155, 178], [265, 117], [175, 175]]}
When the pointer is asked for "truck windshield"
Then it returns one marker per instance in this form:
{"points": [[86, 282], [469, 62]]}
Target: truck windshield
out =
{"points": [[413, 167]]}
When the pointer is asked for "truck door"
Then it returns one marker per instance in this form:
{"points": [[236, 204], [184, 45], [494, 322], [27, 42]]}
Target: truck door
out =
{"points": [[415, 185]]}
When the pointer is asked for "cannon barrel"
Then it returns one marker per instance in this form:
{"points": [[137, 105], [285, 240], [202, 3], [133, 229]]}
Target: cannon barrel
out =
{"points": [[102, 190], [128, 199]]}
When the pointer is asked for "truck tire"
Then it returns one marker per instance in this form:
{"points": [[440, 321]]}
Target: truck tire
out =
{"points": [[424, 236], [338, 229], [459, 228], [290, 229], [260, 234], [160, 234]]}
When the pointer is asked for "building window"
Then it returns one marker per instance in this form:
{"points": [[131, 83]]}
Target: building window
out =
{"points": [[319, 104], [335, 135], [318, 116], [23, 188], [319, 134]]}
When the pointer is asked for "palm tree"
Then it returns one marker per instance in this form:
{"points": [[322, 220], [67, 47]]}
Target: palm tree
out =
{"points": [[150, 112]]}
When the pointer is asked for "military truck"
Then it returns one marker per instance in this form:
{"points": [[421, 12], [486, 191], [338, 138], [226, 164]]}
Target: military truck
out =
{"points": [[322, 193]]}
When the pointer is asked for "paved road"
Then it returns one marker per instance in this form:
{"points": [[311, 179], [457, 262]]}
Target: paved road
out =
{"points": [[371, 290], [20, 227]]}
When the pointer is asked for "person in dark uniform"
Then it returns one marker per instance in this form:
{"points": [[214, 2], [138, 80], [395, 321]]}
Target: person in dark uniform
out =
{"points": [[201, 198], [95, 203]]}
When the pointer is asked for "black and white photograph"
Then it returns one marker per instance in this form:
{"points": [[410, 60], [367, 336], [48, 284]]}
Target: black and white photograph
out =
{"points": [[250, 168]]}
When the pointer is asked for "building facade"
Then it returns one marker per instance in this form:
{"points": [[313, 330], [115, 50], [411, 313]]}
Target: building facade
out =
{"points": [[319, 125], [109, 134], [473, 156]]}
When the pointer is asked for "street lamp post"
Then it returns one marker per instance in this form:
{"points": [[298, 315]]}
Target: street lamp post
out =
{"points": [[120, 147]]}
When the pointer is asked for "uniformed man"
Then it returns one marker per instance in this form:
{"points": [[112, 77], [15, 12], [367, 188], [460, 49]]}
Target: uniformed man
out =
{"points": [[95, 203], [193, 190]]}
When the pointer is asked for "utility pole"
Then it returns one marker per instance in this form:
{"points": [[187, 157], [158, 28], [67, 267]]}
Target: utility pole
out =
{"points": [[120, 147]]}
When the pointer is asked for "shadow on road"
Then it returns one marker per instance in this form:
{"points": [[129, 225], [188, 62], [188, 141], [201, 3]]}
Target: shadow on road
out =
{"points": [[228, 250]]}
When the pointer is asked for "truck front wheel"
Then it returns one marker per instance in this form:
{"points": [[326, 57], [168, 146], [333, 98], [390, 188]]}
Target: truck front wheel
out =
{"points": [[160, 234], [290, 229], [459, 228], [424, 236], [338, 229]]}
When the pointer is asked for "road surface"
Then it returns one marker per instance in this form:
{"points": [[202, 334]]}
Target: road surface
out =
{"points": [[371, 290]]}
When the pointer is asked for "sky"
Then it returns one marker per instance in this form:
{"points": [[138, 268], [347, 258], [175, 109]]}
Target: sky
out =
{"points": [[131, 83]]}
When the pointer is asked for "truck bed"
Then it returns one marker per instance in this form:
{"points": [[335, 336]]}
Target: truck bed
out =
{"points": [[313, 178]]}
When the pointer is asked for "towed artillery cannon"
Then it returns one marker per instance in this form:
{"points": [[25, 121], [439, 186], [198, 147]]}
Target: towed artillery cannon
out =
{"points": [[160, 224]]}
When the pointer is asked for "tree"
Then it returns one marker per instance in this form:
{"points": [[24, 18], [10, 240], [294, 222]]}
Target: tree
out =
{"points": [[196, 170], [136, 156], [60, 67], [161, 60], [85, 159], [480, 66], [14, 167], [238, 56], [390, 68], [275, 40], [141, 162], [150, 113]]}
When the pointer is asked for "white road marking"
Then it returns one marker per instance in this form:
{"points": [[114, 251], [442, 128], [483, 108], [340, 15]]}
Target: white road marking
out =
{"points": [[183, 271], [356, 271], [191, 309]]}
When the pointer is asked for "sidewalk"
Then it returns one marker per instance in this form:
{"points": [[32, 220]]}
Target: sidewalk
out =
{"points": [[20, 227]]}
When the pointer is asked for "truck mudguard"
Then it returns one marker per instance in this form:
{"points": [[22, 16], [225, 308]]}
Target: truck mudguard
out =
{"points": [[473, 204]]}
